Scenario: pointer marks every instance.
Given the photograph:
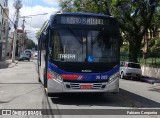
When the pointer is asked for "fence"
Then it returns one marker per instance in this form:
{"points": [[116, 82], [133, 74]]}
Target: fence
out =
{"points": [[151, 59]]}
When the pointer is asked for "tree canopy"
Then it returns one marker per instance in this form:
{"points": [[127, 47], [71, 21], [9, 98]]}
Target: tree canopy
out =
{"points": [[154, 45], [135, 17], [30, 44]]}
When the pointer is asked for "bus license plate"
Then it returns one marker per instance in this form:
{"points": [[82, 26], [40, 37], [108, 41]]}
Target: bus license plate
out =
{"points": [[86, 87]]}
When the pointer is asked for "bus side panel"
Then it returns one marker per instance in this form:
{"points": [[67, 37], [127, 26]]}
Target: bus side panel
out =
{"points": [[54, 86], [42, 67]]}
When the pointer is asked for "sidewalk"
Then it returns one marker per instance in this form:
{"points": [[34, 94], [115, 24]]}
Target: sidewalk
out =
{"points": [[7, 64], [20, 89]]}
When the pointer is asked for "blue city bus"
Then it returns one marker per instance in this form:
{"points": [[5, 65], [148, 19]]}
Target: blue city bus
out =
{"points": [[79, 53]]}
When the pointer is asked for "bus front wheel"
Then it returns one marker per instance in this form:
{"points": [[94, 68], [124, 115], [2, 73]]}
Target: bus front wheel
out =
{"points": [[52, 94], [49, 94], [39, 80]]}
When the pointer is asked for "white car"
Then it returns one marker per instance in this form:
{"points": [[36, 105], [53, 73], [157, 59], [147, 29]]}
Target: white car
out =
{"points": [[24, 56], [35, 53], [28, 52], [130, 70]]}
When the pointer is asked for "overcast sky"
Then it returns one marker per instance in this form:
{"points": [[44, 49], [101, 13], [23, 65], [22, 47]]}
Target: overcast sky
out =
{"points": [[33, 7]]}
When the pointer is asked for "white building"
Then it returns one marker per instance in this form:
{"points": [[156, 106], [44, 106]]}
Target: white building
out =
{"points": [[4, 27], [1, 14]]}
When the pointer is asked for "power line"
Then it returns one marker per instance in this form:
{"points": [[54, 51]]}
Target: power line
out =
{"points": [[7, 15]]}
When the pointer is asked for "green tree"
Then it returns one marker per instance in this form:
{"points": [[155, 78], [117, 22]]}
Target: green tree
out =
{"points": [[30, 44], [135, 16], [91, 6], [155, 24], [154, 45]]}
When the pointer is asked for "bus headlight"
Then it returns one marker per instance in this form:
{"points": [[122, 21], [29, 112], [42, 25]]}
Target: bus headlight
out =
{"points": [[53, 75], [114, 76]]}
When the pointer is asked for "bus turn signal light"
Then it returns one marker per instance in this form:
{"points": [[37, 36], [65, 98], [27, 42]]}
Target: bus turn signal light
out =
{"points": [[70, 76], [49, 76]]}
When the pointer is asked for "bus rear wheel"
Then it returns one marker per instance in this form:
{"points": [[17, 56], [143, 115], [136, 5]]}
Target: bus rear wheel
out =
{"points": [[39, 80]]}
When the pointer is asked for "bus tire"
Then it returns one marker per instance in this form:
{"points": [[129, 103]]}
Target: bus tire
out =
{"points": [[49, 94], [114, 92], [45, 78], [98, 94], [39, 80]]}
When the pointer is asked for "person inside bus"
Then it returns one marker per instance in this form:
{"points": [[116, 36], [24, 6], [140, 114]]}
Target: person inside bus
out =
{"points": [[105, 43]]}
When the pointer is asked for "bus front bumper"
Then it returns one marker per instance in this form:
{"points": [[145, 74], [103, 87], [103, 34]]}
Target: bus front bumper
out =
{"points": [[55, 86]]}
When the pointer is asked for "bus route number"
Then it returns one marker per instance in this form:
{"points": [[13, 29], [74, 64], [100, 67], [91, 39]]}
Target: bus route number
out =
{"points": [[101, 77]]}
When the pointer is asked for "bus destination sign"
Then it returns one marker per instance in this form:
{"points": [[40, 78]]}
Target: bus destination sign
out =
{"points": [[84, 21]]}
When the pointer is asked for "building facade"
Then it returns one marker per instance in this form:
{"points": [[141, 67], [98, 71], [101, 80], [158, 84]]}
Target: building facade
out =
{"points": [[1, 14], [19, 43], [9, 44], [4, 28]]}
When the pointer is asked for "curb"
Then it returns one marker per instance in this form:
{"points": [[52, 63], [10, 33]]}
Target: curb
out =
{"points": [[11, 65], [150, 80]]}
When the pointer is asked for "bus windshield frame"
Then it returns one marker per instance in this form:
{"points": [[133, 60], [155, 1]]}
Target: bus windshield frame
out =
{"points": [[88, 57]]}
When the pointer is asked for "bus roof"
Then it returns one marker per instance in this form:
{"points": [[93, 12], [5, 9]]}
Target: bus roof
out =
{"points": [[79, 14], [49, 23], [83, 13]]}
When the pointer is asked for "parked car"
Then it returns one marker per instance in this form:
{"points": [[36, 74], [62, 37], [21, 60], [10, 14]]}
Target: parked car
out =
{"points": [[130, 70], [28, 52], [24, 56]]}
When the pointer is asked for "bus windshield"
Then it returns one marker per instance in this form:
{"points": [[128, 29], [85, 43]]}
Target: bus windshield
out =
{"points": [[76, 45]]}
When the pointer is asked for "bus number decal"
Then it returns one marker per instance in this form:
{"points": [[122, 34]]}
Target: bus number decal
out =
{"points": [[102, 77]]}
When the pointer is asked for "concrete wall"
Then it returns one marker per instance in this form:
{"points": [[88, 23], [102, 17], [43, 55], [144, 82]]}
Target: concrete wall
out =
{"points": [[151, 72]]}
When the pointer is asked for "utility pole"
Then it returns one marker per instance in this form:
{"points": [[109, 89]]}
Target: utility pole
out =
{"points": [[23, 27], [17, 4], [7, 33], [24, 33], [23, 36]]}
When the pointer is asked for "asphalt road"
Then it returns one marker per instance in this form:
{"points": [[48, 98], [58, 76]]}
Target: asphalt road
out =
{"points": [[123, 100], [132, 95], [19, 89]]}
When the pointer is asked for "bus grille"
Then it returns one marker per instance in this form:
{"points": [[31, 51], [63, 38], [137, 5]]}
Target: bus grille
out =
{"points": [[77, 85]]}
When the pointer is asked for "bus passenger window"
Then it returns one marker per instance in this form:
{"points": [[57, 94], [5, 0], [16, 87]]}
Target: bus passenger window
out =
{"points": [[58, 49]]}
